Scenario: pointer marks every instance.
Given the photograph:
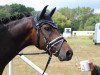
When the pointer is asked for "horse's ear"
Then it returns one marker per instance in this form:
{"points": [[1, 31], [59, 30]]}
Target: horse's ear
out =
{"points": [[43, 12], [52, 12]]}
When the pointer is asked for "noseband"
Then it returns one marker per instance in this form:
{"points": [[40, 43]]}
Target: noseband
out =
{"points": [[54, 42], [49, 44]]}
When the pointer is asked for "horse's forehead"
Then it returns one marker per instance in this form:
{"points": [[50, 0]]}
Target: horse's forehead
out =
{"points": [[45, 17]]}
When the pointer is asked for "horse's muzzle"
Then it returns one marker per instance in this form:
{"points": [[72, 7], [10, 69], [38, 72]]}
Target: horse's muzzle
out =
{"points": [[66, 56]]}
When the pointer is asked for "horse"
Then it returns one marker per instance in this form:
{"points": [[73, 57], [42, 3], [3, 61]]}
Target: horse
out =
{"points": [[18, 32]]}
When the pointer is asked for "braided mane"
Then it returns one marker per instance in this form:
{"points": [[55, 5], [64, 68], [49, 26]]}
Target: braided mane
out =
{"points": [[6, 20]]}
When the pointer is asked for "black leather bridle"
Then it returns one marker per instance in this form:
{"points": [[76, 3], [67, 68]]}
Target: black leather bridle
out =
{"points": [[49, 44]]}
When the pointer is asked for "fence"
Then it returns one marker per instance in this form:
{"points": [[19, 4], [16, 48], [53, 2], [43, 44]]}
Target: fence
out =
{"points": [[83, 33], [40, 71]]}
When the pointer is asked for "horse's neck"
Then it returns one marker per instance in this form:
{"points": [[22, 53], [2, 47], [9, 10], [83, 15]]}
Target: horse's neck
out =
{"points": [[13, 41]]}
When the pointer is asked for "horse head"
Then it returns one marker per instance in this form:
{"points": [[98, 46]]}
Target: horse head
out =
{"points": [[49, 38]]}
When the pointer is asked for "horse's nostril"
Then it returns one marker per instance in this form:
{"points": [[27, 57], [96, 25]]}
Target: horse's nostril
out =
{"points": [[69, 53]]}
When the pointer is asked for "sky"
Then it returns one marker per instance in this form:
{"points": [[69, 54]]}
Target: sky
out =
{"points": [[39, 4]]}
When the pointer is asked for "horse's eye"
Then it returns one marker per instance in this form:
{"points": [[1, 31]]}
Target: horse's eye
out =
{"points": [[47, 28]]}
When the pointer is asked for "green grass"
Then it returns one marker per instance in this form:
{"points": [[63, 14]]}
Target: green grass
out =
{"points": [[83, 49]]}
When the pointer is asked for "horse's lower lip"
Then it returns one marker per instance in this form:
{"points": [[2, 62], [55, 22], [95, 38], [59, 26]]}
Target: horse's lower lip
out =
{"points": [[67, 59]]}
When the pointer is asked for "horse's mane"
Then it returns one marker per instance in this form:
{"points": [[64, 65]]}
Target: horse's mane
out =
{"points": [[6, 20]]}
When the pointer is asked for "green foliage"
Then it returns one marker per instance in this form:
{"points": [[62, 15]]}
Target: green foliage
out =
{"points": [[61, 20], [80, 18], [97, 18], [90, 24], [4, 11], [14, 9], [17, 8]]}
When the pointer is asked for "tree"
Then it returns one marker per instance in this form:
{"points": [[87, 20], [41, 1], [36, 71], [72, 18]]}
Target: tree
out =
{"points": [[4, 11], [90, 24], [84, 14], [14, 9], [19, 8], [97, 17], [77, 16], [61, 21]]}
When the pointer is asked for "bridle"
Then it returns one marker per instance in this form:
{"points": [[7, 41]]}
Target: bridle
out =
{"points": [[49, 44]]}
